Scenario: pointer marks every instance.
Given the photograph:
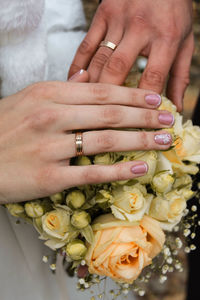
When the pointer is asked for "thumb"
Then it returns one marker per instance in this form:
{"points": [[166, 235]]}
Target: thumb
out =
{"points": [[80, 76]]}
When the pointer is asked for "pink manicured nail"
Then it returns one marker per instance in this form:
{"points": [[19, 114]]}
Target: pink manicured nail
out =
{"points": [[163, 138], [166, 119], [140, 169], [76, 74], [154, 100]]}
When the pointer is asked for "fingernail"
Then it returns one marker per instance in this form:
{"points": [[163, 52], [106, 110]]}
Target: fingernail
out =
{"points": [[166, 119], [154, 100], [76, 74], [163, 139], [140, 169]]}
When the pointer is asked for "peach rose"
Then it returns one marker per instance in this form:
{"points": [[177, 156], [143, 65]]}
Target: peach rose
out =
{"points": [[122, 249]]}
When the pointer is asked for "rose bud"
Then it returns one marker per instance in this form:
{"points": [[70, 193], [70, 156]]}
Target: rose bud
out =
{"points": [[57, 198], [34, 209], [75, 199], [80, 219], [102, 159], [15, 209], [83, 161], [76, 249]]}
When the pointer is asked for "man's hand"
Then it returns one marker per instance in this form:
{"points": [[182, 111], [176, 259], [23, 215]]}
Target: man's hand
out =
{"points": [[158, 29]]}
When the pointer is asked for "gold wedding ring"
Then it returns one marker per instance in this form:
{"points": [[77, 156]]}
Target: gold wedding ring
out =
{"points": [[79, 143], [108, 45]]}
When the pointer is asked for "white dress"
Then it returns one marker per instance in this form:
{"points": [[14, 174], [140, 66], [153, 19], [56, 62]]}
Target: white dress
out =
{"points": [[41, 48]]}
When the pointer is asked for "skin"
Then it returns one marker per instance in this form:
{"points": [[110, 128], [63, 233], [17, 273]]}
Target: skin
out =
{"points": [[158, 29], [36, 139]]}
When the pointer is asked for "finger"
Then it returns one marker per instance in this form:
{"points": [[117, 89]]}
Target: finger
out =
{"points": [[74, 175], [89, 45], [161, 57], [122, 59], [114, 35], [111, 116], [95, 142], [179, 75], [80, 76], [101, 94]]}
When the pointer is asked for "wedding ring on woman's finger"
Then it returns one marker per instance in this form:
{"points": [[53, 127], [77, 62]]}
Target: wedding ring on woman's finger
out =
{"points": [[108, 44], [79, 143], [103, 141]]}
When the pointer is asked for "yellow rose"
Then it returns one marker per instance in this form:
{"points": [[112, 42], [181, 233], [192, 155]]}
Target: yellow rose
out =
{"points": [[130, 202], [57, 228], [168, 208], [162, 182], [122, 249]]}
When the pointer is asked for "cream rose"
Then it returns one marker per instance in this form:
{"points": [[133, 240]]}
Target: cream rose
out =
{"points": [[150, 157], [130, 202], [162, 182], [187, 145], [178, 165], [168, 209], [122, 249], [167, 105], [56, 227]]}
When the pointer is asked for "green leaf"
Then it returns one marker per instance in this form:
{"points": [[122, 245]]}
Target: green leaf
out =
{"points": [[88, 234]]}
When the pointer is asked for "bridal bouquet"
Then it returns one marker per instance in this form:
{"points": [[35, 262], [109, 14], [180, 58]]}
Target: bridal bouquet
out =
{"points": [[116, 229]]}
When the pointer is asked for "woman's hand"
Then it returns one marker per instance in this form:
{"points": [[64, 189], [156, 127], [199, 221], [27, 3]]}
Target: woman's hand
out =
{"points": [[158, 29], [36, 139]]}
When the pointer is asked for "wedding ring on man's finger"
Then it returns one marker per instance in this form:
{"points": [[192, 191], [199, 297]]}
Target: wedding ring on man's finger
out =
{"points": [[108, 44], [79, 143]]}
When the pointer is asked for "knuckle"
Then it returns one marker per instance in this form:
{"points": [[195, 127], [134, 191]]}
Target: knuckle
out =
{"points": [[106, 141], [74, 68], [112, 115], [85, 47], [42, 90], [149, 118], [100, 59], [100, 91], [45, 180], [185, 80], [117, 64], [171, 34], [42, 119], [105, 10], [93, 175], [41, 150], [139, 21], [144, 140], [119, 172], [153, 77]]}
